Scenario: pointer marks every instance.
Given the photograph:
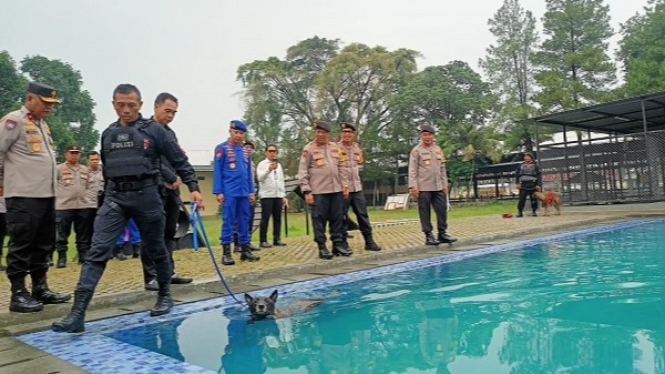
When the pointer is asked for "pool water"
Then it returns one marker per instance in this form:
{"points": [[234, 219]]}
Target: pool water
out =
{"points": [[586, 304]]}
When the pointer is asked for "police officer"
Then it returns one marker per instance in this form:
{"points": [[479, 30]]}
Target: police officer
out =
{"points": [[428, 182], [165, 109], [529, 180], [131, 150], [351, 156], [323, 181], [95, 190], [72, 204], [233, 185], [252, 208], [27, 180]]}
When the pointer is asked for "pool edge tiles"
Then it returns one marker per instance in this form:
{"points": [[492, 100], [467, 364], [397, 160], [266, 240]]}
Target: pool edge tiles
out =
{"points": [[97, 353]]}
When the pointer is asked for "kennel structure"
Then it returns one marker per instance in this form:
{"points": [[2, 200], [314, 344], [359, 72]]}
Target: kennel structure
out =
{"points": [[615, 155]]}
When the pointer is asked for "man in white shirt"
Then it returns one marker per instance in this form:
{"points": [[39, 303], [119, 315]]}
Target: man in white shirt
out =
{"points": [[272, 194]]}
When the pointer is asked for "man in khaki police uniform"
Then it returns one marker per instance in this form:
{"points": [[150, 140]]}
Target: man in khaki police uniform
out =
{"points": [[72, 205], [351, 156], [27, 180], [428, 182], [325, 186]]}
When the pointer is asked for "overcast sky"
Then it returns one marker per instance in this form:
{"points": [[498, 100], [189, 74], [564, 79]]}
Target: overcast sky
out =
{"points": [[193, 48]]}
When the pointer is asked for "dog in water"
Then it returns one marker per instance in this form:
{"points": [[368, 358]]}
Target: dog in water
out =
{"points": [[549, 199], [262, 307]]}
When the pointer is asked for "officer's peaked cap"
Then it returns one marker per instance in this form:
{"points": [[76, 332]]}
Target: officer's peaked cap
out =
{"points": [[427, 128], [46, 93], [325, 126], [347, 126]]}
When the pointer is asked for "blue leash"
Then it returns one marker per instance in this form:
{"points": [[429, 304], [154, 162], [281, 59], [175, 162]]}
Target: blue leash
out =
{"points": [[194, 218]]}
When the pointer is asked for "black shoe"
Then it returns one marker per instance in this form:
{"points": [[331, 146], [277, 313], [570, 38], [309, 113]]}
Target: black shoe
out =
{"points": [[340, 250], [121, 256], [22, 302], [74, 322], [247, 255], [265, 245], [251, 248], [445, 238], [534, 214], [176, 279], [151, 286], [324, 253], [278, 243], [44, 295], [62, 260], [163, 305], [82, 256], [519, 215], [227, 258], [430, 239], [372, 246], [136, 250]]}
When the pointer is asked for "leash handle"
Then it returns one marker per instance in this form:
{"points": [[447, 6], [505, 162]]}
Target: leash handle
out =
{"points": [[196, 218]]}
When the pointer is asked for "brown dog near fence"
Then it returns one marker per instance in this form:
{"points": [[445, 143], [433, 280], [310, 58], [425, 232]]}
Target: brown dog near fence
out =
{"points": [[549, 199]]}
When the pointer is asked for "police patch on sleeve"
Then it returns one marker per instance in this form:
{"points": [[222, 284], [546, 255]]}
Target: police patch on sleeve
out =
{"points": [[219, 153], [304, 153], [10, 124]]}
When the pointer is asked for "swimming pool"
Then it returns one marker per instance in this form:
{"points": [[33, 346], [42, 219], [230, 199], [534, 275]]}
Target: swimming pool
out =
{"points": [[591, 301]]}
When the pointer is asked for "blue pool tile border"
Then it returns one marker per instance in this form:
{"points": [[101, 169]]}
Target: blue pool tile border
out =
{"points": [[99, 354]]}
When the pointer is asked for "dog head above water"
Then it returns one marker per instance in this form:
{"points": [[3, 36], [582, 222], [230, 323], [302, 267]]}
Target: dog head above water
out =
{"points": [[261, 307]]}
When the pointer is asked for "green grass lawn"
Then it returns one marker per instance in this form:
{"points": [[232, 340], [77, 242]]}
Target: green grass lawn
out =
{"points": [[297, 227]]}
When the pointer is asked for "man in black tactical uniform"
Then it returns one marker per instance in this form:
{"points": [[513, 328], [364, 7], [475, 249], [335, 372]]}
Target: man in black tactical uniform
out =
{"points": [[131, 151], [529, 180]]}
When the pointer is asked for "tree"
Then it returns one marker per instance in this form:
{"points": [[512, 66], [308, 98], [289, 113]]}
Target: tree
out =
{"points": [[642, 52], [12, 84], [71, 122], [574, 67], [509, 69]]}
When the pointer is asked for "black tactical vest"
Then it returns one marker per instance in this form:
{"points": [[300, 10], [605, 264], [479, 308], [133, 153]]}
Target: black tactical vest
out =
{"points": [[528, 173], [129, 152]]}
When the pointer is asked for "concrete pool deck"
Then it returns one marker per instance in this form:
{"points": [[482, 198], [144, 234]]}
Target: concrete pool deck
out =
{"points": [[121, 288]]}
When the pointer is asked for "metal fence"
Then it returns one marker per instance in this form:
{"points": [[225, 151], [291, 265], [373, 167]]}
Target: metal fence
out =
{"points": [[616, 168]]}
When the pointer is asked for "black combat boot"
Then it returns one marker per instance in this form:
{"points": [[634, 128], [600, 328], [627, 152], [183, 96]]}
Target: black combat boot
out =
{"points": [[74, 321], [227, 258], [247, 254], [345, 244], [21, 301], [62, 259], [445, 238], [323, 252], [43, 294], [339, 250], [136, 250], [370, 244], [164, 301], [83, 255], [119, 253], [534, 214], [430, 239], [519, 214]]}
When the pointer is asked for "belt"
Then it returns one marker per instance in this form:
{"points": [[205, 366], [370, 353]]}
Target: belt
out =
{"points": [[132, 185]]}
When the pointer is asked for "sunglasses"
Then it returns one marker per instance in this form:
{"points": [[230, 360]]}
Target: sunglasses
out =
{"points": [[272, 151]]}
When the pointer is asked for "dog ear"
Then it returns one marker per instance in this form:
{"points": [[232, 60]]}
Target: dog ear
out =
{"points": [[249, 299], [273, 296]]}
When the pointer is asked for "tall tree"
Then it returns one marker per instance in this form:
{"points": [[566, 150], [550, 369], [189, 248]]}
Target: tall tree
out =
{"points": [[642, 52], [12, 84], [72, 122], [574, 68], [510, 72]]}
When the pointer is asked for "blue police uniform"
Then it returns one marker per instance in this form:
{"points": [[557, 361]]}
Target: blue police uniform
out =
{"points": [[131, 157], [131, 234], [233, 177]]}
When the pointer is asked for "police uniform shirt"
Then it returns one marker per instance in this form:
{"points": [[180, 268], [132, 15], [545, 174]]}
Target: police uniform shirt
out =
{"points": [[233, 175], [28, 167], [320, 170], [72, 190], [96, 181], [351, 158], [427, 168]]}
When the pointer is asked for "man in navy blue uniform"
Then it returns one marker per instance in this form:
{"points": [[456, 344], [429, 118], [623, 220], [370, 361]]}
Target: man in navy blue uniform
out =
{"points": [[233, 186], [131, 151]]}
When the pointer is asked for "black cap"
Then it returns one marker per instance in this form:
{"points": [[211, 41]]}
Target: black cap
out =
{"points": [[73, 149], [46, 93], [347, 126], [427, 128], [325, 126]]}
